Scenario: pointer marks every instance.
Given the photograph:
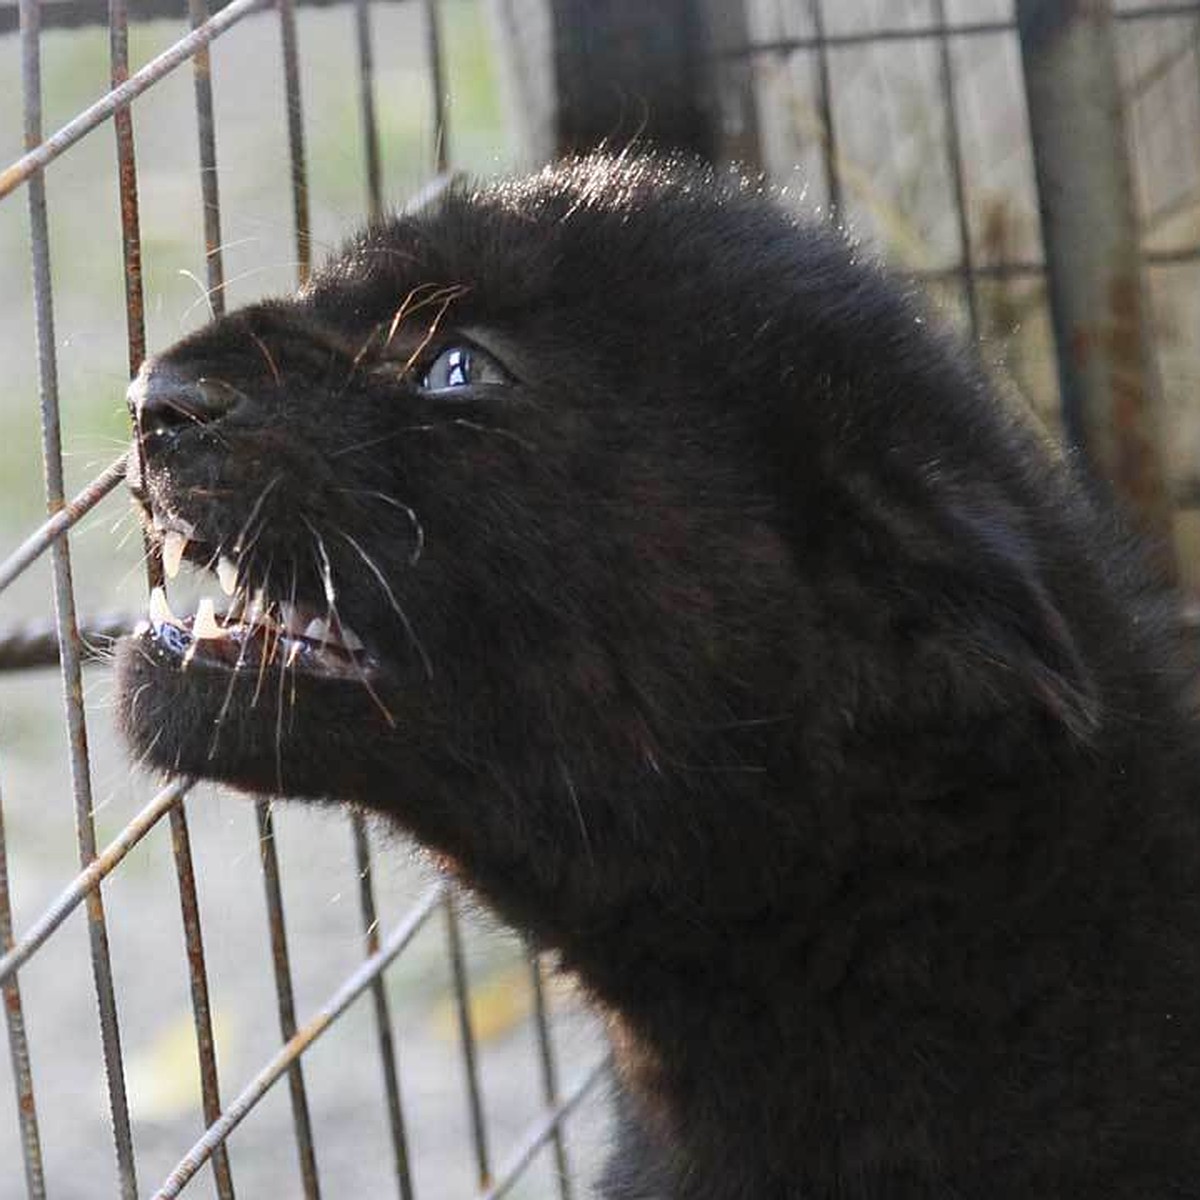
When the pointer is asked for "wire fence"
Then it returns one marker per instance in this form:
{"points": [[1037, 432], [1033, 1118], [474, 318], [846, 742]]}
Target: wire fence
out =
{"points": [[907, 119], [71, 645]]}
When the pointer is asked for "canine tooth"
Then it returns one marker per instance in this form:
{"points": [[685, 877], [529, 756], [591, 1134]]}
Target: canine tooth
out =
{"points": [[256, 614], [160, 610], [319, 631], [349, 638], [205, 625], [174, 544], [227, 573]]}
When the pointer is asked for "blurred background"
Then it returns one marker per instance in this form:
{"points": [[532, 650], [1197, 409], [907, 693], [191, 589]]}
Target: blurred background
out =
{"points": [[952, 137]]}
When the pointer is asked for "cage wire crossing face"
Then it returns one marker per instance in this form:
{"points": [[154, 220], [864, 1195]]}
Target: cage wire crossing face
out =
{"points": [[71, 646], [895, 112]]}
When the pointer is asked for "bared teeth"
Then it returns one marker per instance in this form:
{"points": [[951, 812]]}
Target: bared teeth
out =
{"points": [[205, 626], [319, 631], [174, 544], [160, 610], [349, 638], [227, 573]]}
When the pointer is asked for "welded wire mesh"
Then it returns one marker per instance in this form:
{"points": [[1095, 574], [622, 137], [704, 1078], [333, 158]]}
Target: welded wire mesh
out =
{"points": [[904, 118], [30, 647], [908, 121]]}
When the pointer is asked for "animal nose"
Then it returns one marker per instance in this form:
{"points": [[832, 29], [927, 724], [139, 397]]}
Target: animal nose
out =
{"points": [[164, 398]]}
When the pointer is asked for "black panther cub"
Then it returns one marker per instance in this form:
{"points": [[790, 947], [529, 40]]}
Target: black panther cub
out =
{"points": [[645, 553]]}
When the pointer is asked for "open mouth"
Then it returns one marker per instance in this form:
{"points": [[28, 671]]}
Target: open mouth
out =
{"points": [[246, 629]]}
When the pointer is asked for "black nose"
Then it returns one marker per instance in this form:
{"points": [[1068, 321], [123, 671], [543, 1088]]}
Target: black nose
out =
{"points": [[164, 398]]}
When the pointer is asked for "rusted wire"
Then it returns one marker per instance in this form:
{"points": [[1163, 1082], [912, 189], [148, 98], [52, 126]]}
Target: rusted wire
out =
{"points": [[295, 125], [383, 1016], [18, 1044], [549, 1068], [466, 1032], [64, 607], [437, 84], [934, 31], [544, 1130], [31, 549], [284, 994], [214, 264], [829, 149], [957, 175], [88, 880], [366, 99], [40, 153], [206, 1049], [289, 1054]]}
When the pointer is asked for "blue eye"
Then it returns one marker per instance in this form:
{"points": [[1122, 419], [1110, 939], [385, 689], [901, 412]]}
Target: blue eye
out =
{"points": [[462, 366]]}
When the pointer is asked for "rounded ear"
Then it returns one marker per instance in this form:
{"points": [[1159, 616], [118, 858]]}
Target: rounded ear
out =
{"points": [[991, 579]]}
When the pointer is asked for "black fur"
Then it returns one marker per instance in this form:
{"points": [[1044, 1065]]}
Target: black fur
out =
{"points": [[745, 648]]}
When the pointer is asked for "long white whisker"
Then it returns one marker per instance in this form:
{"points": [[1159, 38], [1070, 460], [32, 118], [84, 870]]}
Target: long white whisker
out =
{"points": [[387, 591]]}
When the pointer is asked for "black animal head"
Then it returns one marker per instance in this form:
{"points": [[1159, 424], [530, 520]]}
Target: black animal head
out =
{"points": [[623, 537]]}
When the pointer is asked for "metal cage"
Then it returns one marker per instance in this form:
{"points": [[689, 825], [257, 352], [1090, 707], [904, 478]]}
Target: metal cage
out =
{"points": [[802, 82], [71, 642]]}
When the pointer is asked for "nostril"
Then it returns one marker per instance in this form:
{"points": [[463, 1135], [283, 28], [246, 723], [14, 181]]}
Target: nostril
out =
{"points": [[163, 398]]}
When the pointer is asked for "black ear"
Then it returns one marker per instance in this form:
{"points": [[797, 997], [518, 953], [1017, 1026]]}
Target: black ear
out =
{"points": [[994, 587]]}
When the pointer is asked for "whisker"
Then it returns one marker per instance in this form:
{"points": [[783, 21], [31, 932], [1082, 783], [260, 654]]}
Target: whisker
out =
{"points": [[383, 583]]}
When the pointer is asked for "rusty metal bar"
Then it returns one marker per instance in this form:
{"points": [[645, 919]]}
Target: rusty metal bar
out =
{"points": [[383, 1016], [366, 93], [64, 605], [44, 151], [206, 1049], [118, 39], [543, 1131], [33, 645], [31, 549], [18, 1045], [927, 32], [1112, 401], [829, 150], [88, 880], [437, 82], [301, 1120], [74, 14], [136, 339], [295, 121], [466, 1032], [288, 1055], [198, 16], [549, 1072], [957, 175]]}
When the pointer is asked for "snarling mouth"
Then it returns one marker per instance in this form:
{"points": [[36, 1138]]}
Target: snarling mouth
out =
{"points": [[252, 630]]}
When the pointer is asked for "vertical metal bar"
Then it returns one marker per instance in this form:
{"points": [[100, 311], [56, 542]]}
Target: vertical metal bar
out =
{"points": [[549, 1067], [291, 77], [206, 1051], [284, 994], [466, 1032], [366, 89], [18, 1044], [957, 175], [1112, 402], [209, 190], [383, 1016], [131, 241], [437, 82], [64, 605], [833, 181], [180, 840]]}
